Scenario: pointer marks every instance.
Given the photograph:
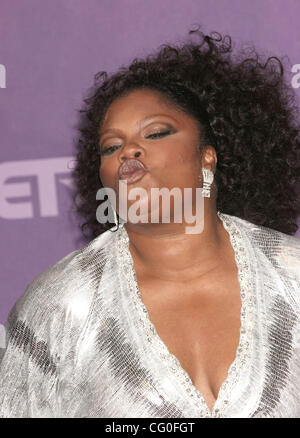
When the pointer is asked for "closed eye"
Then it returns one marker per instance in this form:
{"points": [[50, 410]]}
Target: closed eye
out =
{"points": [[159, 134], [109, 150], [155, 135]]}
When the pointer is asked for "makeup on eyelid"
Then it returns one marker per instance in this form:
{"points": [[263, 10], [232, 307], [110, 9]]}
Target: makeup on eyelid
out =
{"points": [[159, 134]]}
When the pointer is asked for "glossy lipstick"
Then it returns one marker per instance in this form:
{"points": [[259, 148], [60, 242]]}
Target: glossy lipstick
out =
{"points": [[132, 170]]}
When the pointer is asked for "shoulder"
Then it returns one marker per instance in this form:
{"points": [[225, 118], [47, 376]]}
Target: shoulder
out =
{"points": [[283, 250], [64, 291]]}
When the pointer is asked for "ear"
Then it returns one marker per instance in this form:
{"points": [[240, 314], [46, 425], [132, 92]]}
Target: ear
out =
{"points": [[209, 158]]}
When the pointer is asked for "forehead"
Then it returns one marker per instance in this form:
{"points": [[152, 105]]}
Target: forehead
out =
{"points": [[138, 104]]}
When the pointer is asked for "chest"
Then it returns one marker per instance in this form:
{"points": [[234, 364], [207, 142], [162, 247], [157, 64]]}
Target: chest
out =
{"points": [[199, 322]]}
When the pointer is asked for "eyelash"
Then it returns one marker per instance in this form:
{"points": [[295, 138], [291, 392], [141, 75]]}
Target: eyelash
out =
{"points": [[113, 148]]}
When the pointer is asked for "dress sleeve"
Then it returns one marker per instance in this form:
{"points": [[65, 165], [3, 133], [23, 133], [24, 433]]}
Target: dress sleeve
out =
{"points": [[289, 256], [29, 382], [42, 335]]}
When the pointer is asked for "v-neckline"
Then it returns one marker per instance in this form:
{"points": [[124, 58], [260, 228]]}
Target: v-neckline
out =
{"points": [[246, 317]]}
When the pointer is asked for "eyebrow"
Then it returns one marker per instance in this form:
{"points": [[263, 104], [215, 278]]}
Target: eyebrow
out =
{"points": [[140, 122]]}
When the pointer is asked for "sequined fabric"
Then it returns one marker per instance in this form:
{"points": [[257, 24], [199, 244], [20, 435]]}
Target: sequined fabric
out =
{"points": [[80, 342]]}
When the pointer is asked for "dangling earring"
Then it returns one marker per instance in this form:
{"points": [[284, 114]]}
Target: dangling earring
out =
{"points": [[208, 178], [116, 220]]}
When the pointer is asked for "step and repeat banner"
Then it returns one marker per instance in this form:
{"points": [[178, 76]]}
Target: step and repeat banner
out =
{"points": [[49, 54]]}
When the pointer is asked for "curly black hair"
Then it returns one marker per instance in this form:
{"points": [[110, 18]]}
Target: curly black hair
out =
{"points": [[247, 111]]}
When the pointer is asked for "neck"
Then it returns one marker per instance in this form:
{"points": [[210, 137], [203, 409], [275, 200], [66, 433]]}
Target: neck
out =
{"points": [[167, 252]]}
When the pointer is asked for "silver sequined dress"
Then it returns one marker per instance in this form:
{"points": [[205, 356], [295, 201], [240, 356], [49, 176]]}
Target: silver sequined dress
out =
{"points": [[80, 342]]}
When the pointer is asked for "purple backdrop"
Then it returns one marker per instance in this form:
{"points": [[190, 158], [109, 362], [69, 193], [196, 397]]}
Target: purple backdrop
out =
{"points": [[49, 52]]}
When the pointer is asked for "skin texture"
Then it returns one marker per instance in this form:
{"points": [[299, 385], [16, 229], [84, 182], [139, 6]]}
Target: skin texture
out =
{"points": [[188, 282]]}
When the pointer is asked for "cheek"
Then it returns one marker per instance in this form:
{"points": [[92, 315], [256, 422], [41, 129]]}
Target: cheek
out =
{"points": [[107, 173], [176, 161]]}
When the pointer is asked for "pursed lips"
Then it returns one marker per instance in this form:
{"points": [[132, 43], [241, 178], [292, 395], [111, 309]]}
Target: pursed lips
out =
{"points": [[132, 170]]}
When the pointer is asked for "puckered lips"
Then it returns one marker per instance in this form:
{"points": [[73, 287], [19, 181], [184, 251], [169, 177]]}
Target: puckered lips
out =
{"points": [[132, 170]]}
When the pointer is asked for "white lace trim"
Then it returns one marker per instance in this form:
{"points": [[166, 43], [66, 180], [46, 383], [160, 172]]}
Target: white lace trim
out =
{"points": [[246, 329]]}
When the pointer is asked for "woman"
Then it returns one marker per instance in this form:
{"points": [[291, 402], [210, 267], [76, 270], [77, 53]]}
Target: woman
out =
{"points": [[148, 320]]}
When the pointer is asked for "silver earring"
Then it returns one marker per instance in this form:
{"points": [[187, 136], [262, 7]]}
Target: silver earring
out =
{"points": [[208, 178], [116, 220]]}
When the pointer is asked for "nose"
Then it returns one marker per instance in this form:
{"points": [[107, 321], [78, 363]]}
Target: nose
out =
{"points": [[132, 151]]}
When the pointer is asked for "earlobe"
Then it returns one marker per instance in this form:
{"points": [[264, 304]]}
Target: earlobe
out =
{"points": [[210, 158]]}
